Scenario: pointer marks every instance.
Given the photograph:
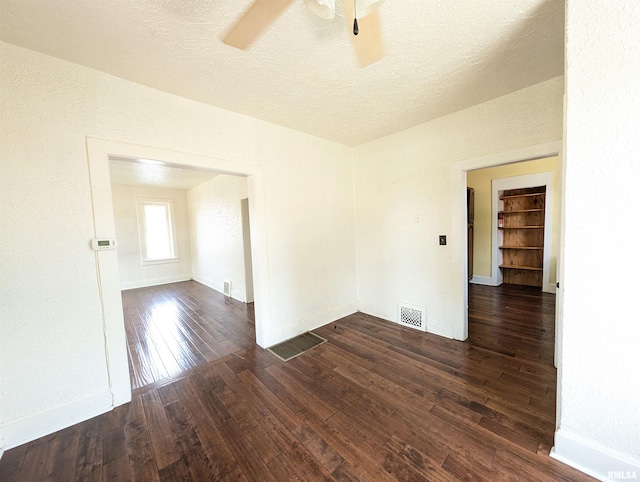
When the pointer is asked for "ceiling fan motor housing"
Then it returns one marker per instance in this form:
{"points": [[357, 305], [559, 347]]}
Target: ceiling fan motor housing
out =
{"points": [[322, 8], [327, 8]]}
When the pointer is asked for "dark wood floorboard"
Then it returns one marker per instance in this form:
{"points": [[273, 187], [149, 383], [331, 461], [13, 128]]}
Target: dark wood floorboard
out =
{"points": [[176, 327], [376, 402]]}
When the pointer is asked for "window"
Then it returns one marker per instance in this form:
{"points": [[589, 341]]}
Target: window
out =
{"points": [[156, 227]]}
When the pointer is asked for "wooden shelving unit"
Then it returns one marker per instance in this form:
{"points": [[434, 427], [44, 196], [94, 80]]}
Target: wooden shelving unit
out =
{"points": [[523, 236]]}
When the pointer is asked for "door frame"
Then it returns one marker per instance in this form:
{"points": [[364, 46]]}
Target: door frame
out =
{"points": [[98, 153], [459, 225], [246, 251]]}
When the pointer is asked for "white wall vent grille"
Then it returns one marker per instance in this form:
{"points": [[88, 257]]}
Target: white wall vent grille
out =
{"points": [[227, 288], [412, 316]]}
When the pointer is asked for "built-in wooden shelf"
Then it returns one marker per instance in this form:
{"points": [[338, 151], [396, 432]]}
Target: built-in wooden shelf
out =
{"points": [[528, 268], [522, 195], [522, 236], [521, 227], [523, 211]]}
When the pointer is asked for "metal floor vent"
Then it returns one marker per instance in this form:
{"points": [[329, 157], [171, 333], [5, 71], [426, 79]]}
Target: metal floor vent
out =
{"points": [[227, 288], [412, 316], [296, 346]]}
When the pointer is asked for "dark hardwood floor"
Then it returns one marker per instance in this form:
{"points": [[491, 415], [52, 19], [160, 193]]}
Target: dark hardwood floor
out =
{"points": [[175, 327], [376, 402]]}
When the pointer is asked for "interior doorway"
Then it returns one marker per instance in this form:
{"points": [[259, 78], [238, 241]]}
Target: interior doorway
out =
{"points": [[460, 294], [524, 329], [515, 216], [177, 312], [510, 212], [99, 151], [515, 242]]}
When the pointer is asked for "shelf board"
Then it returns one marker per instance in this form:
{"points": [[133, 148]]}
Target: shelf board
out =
{"points": [[521, 247], [523, 195], [528, 268], [522, 227], [523, 211]]}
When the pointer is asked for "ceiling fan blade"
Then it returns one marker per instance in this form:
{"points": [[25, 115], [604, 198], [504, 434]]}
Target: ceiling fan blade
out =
{"points": [[255, 20], [368, 42]]}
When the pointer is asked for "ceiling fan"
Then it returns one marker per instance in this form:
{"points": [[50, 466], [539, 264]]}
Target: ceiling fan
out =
{"points": [[367, 38]]}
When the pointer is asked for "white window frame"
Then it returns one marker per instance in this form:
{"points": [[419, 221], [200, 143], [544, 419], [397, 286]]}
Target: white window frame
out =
{"points": [[168, 203]]}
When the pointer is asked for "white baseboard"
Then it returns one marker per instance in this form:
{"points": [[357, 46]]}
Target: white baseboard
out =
{"points": [[310, 323], [23, 430], [211, 283], [433, 326], [130, 285], [440, 328], [483, 280], [592, 458], [327, 317], [377, 311], [238, 295], [218, 285]]}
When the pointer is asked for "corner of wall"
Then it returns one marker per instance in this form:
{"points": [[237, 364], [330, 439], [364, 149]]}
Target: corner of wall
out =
{"points": [[302, 326], [440, 328]]}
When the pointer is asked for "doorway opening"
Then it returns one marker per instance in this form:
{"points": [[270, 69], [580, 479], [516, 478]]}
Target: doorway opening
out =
{"points": [[99, 153], [516, 223], [462, 286], [512, 290], [185, 304], [511, 301], [459, 246]]}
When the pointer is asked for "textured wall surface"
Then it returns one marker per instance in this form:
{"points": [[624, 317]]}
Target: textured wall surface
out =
{"points": [[132, 273], [408, 175], [52, 344], [600, 391], [480, 180], [216, 224], [51, 333], [311, 228]]}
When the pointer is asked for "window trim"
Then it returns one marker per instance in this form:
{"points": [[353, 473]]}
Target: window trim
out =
{"points": [[142, 229]]}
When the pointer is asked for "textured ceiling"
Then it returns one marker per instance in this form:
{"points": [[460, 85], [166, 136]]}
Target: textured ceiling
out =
{"points": [[135, 172], [441, 56]]}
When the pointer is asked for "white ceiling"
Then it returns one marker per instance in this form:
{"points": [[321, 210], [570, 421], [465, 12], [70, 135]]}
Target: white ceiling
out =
{"points": [[441, 56], [147, 173]]}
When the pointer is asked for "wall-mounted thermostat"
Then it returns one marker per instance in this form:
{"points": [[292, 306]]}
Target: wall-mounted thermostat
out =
{"points": [[103, 243]]}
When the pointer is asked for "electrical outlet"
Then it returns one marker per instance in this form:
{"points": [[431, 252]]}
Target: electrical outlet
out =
{"points": [[443, 240]]}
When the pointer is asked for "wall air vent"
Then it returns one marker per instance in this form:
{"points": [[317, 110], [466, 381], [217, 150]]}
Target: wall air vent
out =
{"points": [[412, 316], [227, 288]]}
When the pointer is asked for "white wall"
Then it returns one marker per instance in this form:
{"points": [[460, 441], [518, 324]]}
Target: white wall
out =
{"points": [[132, 273], [216, 224], [404, 197], [52, 359], [53, 367], [599, 422], [311, 230]]}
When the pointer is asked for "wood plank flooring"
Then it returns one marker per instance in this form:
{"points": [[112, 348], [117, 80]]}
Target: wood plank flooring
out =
{"points": [[376, 402], [175, 327]]}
